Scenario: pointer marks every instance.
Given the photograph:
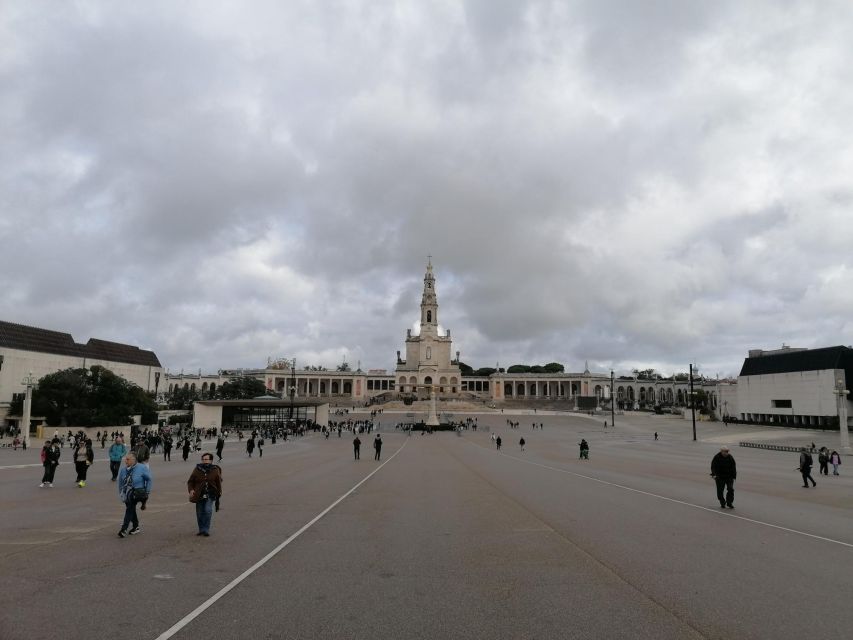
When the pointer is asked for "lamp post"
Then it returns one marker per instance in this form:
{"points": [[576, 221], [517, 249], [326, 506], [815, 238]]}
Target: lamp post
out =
{"points": [[692, 402], [292, 386], [612, 402], [29, 382], [841, 393]]}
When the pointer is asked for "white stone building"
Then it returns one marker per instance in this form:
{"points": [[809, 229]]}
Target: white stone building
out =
{"points": [[25, 350], [428, 360], [795, 387]]}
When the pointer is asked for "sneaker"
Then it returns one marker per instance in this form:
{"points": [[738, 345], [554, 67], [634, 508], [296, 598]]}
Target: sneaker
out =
{"points": [[122, 534], [50, 485], [41, 485], [730, 506], [82, 483], [205, 534], [135, 530]]}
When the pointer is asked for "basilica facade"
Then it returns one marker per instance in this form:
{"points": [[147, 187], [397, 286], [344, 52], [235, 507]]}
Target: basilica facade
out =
{"points": [[428, 362]]}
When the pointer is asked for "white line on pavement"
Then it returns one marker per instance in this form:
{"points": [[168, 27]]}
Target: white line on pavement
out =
{"points": [[171, 631], [682, 502]]}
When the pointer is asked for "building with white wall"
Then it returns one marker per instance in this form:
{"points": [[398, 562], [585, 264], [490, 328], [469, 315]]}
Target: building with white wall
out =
{"points": [[794, 387], [25, 350]]}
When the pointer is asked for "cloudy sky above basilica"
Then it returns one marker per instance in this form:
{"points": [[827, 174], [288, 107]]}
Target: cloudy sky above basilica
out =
{"points": [[637, 184]]}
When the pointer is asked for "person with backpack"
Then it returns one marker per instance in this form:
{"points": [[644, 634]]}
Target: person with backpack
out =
{"points": [[117, 451], [584, 449], [805, 468], [134, 486], [522, 443], [50, 460], [204, 488]]}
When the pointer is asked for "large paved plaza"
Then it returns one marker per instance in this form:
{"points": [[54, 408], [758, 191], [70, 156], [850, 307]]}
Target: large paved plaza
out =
{"points": [[443, 538]]}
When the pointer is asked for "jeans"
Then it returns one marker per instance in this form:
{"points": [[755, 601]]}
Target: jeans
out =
{"points": [[49, 471], [114, 467], [807, 475], [834, 469], [729, 485], [204, 514], [130, 516]]}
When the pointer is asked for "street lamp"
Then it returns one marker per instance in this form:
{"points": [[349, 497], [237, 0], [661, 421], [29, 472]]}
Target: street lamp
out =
{"points": [[29, 382], [612, 402], [292, 386], [841, 393], [692, 402]]}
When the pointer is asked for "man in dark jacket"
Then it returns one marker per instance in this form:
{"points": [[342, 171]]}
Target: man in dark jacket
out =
{"points": [[724, 472], [806, 462]]}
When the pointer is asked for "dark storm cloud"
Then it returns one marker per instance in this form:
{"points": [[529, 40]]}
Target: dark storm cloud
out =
{"points": [[633, 184]]}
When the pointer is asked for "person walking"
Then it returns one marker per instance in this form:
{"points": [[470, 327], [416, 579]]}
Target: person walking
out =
{"points": [[521, 442], [250, 446], [805, 468], [143, 453], [377, 444], [498, 443], [261, 447], [167, 449], [584, 449], [50, 460], [823, 461], [185, 449], [656, 436], [204, 487], [220, 445], [356, 447], [117, 451], [83, 458], [134, 486], [724, 473], [835, 461]]}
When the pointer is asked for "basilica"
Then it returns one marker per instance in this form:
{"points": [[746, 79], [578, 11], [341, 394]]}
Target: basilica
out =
{"points": [[431, 366]]}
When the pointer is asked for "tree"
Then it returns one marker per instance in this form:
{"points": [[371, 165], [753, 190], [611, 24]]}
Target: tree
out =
{"points": [[241, 388], [518, 368], [646, 374], [466, 370], [553, 367], [93, 397], [485, 371]]}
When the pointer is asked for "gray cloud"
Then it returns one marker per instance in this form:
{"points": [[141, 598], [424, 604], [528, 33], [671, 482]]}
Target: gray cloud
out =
{"points": [[626, 184]]}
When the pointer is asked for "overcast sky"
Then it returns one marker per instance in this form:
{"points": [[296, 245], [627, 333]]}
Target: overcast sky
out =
{"points": [[636, 184]]}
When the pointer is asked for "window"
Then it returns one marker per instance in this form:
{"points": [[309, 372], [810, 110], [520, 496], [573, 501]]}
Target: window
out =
{"points": [[781, 404], [429, 317]]}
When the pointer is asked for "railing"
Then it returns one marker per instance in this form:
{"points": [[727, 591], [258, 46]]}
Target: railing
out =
{"points": [[772, 447]]}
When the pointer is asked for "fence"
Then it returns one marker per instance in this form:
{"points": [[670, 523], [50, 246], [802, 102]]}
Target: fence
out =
{"points": [[772, 447]]}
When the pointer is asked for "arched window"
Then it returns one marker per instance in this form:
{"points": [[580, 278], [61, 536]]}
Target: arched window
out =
{"points": [[429, 319]]}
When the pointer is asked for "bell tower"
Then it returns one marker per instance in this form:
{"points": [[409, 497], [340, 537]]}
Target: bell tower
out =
{"points": [[429, 304]]}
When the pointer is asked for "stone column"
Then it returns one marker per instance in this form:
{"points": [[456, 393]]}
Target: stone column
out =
{"points": [[432, 418]]}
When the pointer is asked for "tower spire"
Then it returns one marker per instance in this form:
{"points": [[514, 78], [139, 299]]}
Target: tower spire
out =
{"points": [[429, 302]]}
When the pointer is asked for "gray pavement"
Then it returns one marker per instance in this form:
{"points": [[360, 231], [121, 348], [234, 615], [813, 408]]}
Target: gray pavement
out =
{"points": [[449, 538]]}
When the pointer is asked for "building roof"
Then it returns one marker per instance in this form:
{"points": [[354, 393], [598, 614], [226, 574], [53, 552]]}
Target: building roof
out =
{"points": [[25, 338], [263, 402], [800, 360]]}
